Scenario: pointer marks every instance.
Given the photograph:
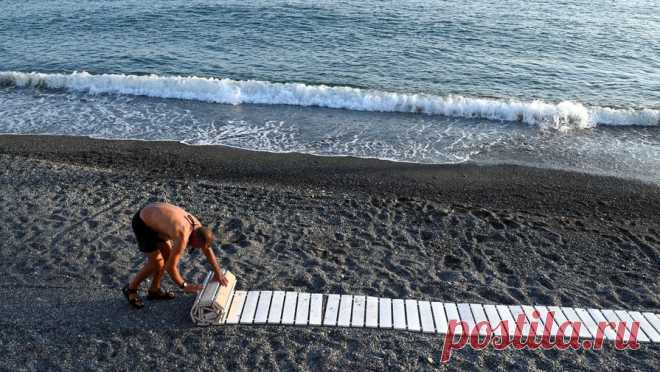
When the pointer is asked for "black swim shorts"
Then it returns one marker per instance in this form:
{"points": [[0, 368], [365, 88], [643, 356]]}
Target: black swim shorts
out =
{"points": [[147, 238]]}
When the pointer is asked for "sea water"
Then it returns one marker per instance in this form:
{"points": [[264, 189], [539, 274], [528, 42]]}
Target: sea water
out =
{"points": [[568, 85]]}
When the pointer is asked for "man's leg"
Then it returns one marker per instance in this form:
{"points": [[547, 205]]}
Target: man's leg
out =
{"points": [[164, 249], [152, 265]]}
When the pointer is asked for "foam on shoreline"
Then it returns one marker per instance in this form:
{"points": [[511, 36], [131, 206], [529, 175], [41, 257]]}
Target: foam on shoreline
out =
{"points": [[563, 115]]}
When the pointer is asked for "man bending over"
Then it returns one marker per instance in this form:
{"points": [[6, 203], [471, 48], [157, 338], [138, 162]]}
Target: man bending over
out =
{"points": [[163, 232]]}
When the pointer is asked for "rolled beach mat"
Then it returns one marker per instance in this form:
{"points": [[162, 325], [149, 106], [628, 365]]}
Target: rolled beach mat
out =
{"points": [[212, 302]]}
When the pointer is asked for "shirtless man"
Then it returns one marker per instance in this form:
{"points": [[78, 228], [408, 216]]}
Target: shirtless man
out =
{"points": [[163, 232]]}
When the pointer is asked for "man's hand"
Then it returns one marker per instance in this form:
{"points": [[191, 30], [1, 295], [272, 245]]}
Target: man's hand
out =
{"points": [[192, 288], [221, 279], [210, 256]]}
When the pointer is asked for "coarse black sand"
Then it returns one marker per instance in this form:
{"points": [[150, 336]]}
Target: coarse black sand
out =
{"points": [[463, 233]]}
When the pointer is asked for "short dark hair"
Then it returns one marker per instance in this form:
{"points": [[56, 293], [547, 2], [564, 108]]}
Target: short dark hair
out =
{"points": [[204, 235]]}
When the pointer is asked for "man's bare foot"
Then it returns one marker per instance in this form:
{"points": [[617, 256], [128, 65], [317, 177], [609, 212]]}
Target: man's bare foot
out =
{"points": [[133, 297], [160, 294]]}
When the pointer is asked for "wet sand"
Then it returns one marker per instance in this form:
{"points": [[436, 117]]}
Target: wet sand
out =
{"points": [[464, 233]]}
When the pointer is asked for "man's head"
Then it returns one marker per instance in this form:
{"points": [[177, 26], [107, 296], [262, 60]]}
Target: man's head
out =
{"points": [[201, 237]]}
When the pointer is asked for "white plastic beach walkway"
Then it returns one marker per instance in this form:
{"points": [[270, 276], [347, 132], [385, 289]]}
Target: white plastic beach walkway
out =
{"points": [[334, 310]]}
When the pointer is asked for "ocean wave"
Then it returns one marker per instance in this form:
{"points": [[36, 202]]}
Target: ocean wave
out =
{"points": [[565, 115]]}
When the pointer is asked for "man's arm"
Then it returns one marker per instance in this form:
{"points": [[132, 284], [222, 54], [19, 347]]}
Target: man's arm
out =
{"points": [[172, 265], [210, 256]]}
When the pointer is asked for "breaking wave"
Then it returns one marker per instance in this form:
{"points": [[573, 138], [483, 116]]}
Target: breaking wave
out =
{"points": [[563, 116]]}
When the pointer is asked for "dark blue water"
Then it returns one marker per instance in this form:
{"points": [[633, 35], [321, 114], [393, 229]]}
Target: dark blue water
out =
{"points": [[573, 84]]}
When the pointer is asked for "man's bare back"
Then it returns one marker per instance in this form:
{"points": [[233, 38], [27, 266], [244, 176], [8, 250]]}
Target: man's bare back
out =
{"points": [[170, 221]]}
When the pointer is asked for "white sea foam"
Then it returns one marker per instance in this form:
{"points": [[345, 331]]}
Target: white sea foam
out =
{"points": [[563, 116]]}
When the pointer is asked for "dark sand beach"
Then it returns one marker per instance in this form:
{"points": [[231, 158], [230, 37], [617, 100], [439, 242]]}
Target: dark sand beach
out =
{"points": [[462, 233]]}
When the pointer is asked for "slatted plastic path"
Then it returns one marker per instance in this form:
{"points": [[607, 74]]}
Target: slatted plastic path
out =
{"points": [[313, 309]]}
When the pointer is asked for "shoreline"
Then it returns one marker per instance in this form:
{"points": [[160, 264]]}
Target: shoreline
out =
{"points": [[491, 185], [457, 233]]}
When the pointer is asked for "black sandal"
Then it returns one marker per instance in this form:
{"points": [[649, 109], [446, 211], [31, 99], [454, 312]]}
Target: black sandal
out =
{"points": [[160, 295], [135, 301]]}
